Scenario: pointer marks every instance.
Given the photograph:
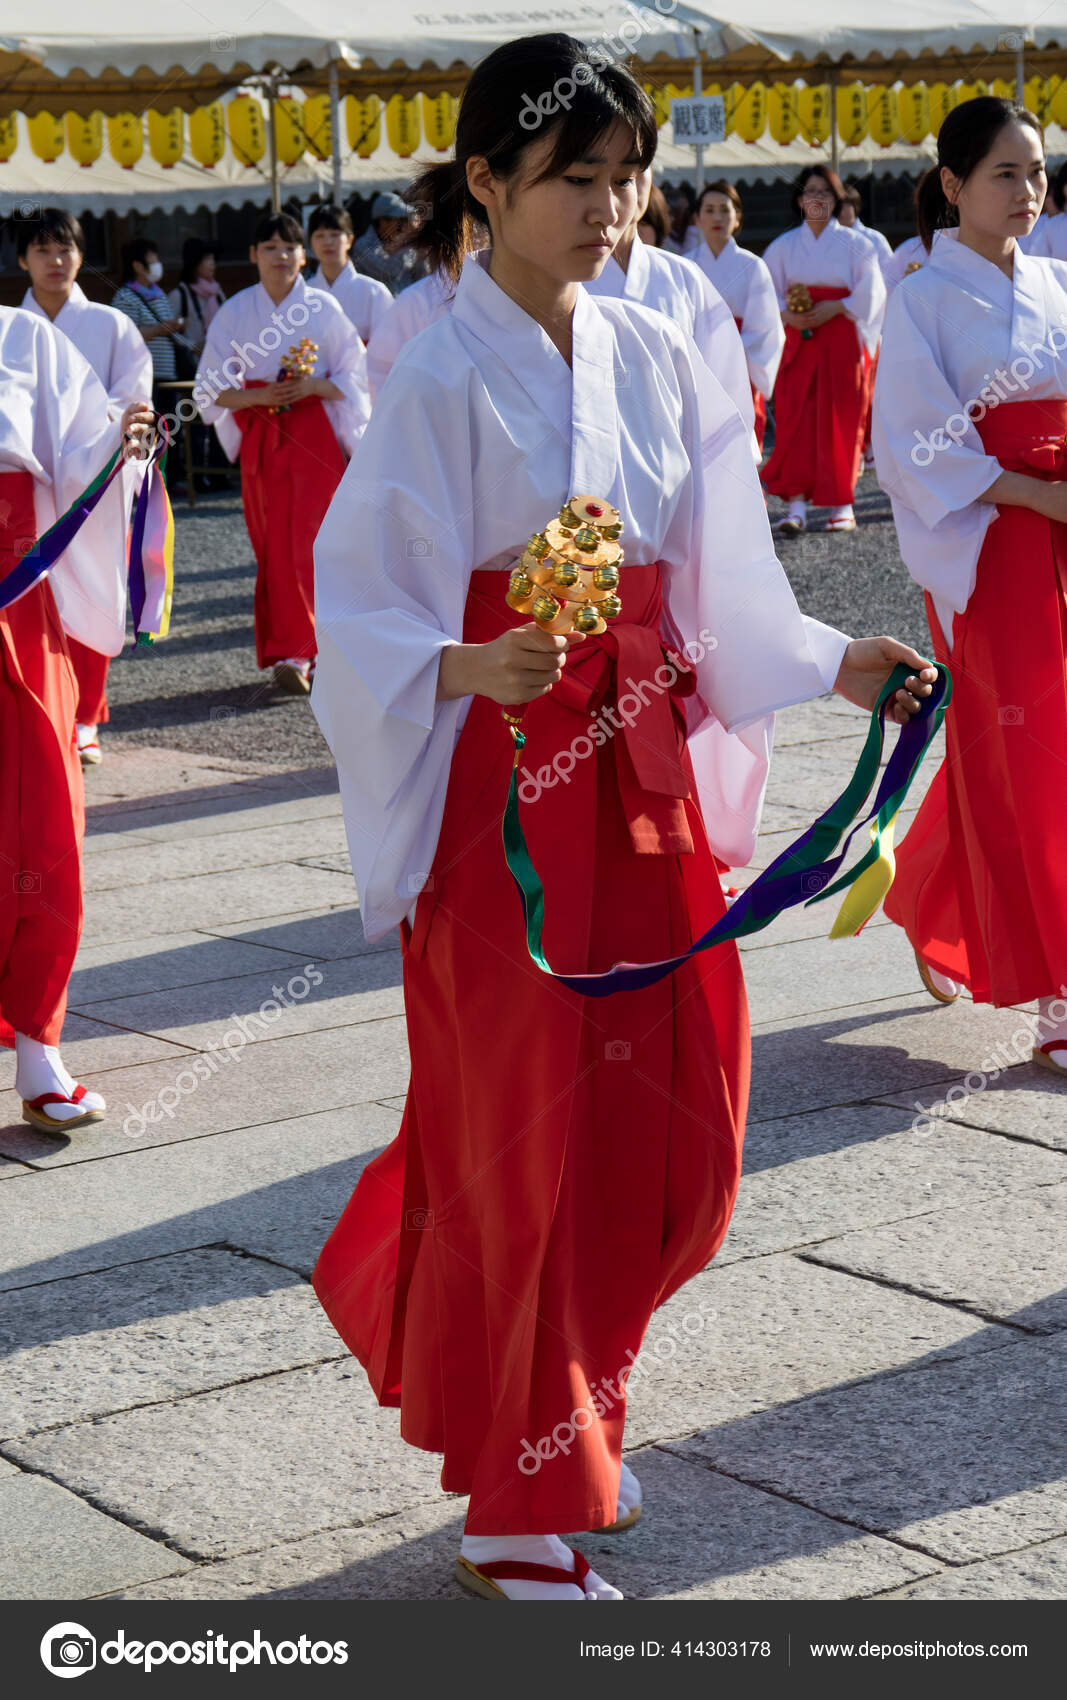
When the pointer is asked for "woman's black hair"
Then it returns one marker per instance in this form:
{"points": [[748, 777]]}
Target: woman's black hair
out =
{"points": [[330, 217], [284, 225], [540, 86], [963, 141], [49, 224], [657, 215], [137, 251], [833, 181], [721, 187], [193, 251]]}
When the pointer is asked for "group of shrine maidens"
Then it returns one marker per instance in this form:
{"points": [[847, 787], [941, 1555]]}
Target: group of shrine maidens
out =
{"points": [[517, 513]]}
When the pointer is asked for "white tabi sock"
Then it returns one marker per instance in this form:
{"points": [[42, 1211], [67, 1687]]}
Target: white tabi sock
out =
{"points": [[1050, 1031], [39, 1069], [629, 1491], [534, 1549]]}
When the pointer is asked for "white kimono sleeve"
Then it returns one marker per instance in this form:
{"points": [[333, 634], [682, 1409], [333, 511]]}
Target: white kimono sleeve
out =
{"points": [[212, 378], [717, 337], [74, 436], [865, 302], [762, 331], [392, 563], [345, 364], [729, 601], [130, 378], [930, 461], [774, 258]]}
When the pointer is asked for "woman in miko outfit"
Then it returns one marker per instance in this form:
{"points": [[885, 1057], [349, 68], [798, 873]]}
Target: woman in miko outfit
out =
{"points": [[970, 411], [564, 1163], [746, 286], [832, 297]]}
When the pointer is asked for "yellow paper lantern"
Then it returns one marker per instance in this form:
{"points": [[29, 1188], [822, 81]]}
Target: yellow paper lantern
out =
{"points": [[1037, 93], [679, 91], [783, 113], [166, 136], [1003, 89], [439, 120], [852, 113], [125, 138], [402, 125], [750, 119], [318, 128], [46, 136], [661, 105], [971, 91], [85, 136], [813, 110], [247, 131], [289, 140], [207, 134], [363, 123], [913, 113], [882, 118], [942, 100], [1057, 107], [9, 137]]}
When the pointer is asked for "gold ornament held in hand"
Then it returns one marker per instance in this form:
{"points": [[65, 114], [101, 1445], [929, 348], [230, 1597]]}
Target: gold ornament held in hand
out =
{"points": [[568, 577]]}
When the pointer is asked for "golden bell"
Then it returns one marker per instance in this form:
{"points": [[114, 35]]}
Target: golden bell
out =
{"points": [[568, 519], [611, 532], [587, 539], [565, 573], [545, 609], [606, 577], [521, 586], [538, 545], [610, 608], [586, 619]]}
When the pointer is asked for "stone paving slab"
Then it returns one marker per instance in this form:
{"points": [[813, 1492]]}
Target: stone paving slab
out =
{"points": [[137, 967], [93, 1047], [249, 895], [888, 1046], [233, 1471], [170, 1326], [223, 852], [958, 1457], [107, 843], [818, 1177], [805, 976], [763, 1548], [280, 1003], [8, 1169], [55, 1547], [319, 934], [230, 808], [1026, 1101], [1036, 1573], [283, 1184], [1003, 1258], [744, 1337], [273, 1082]]}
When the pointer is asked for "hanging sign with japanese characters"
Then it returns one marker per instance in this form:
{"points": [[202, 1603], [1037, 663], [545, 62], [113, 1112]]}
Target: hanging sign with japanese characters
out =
{"points": [[699, 120]]}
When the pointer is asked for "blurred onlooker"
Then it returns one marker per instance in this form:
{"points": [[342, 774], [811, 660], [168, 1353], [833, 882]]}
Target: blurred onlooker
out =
{"points": [[198, 295], [684, 237], [381, 251], [655, 226], [141, 299]]}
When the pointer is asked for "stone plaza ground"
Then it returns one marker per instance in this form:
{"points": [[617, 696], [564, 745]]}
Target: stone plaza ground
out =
{"points": [[861, 1398]]}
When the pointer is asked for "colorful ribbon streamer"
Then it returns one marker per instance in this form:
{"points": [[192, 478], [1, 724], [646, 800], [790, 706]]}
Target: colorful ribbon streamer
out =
{"points": [[150, 544], [805, 873]]}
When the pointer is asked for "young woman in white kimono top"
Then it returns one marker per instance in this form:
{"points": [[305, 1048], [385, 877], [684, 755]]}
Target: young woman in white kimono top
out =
{"points": [[970, 416], [746, 286], [564, 1163], [637, 272]]}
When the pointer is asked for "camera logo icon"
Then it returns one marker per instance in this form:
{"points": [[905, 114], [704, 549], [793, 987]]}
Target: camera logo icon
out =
{"points": [[68, 1649]]}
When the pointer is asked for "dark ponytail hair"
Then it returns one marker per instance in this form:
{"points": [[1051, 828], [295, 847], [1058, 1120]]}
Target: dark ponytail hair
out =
{"points": [[540, 86], [963, 141]]}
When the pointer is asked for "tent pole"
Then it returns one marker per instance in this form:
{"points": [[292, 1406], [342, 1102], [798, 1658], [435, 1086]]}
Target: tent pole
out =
{"points": [[335, 132], [272, 141], [835, 158], [1020, 72], [698, 89]]}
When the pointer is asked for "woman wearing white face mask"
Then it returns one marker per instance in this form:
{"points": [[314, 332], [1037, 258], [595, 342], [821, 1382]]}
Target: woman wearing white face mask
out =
{"points": [[141, 297]]}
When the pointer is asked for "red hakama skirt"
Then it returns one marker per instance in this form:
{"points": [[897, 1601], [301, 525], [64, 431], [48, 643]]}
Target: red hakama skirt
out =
{"points": [[291, 464], [41, 799], [981, 888], [564, 1164], [90, 673], [820, 403], [759, 405]]}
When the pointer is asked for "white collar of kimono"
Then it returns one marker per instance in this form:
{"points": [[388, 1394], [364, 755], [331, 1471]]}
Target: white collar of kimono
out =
{"points": [[266, 305], [706, 256], [1022, 296], [578, 400], [77, 299], [808, 235]]}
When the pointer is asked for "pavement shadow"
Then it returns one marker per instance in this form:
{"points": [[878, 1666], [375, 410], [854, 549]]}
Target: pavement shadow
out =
{"points": [[229, 796]]}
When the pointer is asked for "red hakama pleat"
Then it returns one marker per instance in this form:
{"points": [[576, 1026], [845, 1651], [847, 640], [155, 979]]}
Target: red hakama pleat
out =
{"points": [[41, 799], [291, 464], [871, 368], [981, 885], [90, 672], [759, 405], [820, 401], [564, 1163]]}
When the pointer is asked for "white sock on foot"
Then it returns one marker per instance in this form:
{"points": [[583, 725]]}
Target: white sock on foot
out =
{"points": [[85, 735], [629, 1491], [949, 988], [841, 513], [39, 1069], [1050, 1031], [535, 1549]]}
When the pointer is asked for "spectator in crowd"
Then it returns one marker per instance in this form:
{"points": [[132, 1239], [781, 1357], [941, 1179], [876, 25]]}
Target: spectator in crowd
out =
{"points": [[381, 251], [654, 227], [141, 298]]}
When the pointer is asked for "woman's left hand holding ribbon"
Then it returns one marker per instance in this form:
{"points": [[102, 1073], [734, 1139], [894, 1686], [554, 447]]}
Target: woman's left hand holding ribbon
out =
{"points": [[867, 664]]}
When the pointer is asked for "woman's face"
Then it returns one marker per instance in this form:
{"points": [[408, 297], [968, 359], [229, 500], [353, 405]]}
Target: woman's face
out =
{"points": [[280, 262], [817, 199], [206, 268], [1004, 194], [564, 226], [717, 216], [330, 246], [52, 265]]}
